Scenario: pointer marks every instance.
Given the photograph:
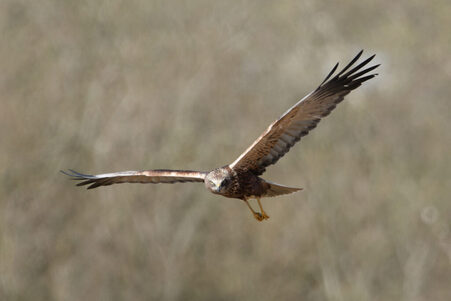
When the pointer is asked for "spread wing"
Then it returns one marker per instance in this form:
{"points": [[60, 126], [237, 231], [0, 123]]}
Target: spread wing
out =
{"points": [[304, 116], [146, 176]]}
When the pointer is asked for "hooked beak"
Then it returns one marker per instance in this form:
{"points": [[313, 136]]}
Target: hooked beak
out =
{"points": [[216, 187]]}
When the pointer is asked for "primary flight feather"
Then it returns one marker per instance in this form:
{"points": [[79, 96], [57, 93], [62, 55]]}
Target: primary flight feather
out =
{"points": [[240, 179]]}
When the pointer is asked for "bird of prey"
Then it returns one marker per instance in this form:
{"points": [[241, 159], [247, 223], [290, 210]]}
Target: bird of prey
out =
{"points": [[241, 179]]}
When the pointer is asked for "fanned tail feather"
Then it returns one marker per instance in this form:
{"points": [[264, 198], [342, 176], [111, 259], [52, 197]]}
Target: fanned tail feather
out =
{"points": [[274, 189]]}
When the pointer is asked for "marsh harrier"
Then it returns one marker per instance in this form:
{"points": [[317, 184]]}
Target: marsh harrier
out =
{"points": [[241, 179]]}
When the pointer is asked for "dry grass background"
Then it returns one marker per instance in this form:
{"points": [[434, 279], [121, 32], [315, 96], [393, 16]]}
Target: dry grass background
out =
{"points": [[116, 85]]}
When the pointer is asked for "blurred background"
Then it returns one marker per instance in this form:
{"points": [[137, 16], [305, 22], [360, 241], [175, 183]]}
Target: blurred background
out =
{"points": [[103, 86]]}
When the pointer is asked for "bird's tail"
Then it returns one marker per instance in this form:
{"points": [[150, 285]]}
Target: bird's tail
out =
{"points": [[273, 189]]}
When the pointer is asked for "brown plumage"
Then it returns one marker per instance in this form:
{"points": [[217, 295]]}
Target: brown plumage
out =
{"points": [[240, 179]]}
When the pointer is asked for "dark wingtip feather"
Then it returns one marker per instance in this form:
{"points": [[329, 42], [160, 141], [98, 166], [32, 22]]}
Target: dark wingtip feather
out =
{"points": [[344, 82], [84, 183], [358, 66], [86, 179], [355, 76], [72, 175], [80, 175], [330, 74], [66, 173], [95, 185], [365, 78], [350, 63]]}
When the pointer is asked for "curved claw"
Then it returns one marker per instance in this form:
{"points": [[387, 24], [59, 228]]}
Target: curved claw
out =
{"points": [[258, 216]]}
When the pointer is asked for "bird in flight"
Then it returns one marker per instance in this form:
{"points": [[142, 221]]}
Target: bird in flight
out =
{"points": [[241, 179]]}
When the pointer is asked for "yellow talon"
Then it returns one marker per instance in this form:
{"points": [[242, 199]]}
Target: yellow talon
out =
{"points": [[263, 214], [258, 216]]}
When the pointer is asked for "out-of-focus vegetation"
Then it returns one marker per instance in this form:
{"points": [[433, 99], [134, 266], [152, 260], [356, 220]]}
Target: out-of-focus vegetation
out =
{"points": [[103, 86]]}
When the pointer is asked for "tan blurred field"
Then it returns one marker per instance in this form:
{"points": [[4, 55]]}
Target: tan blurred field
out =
{"points": [[102, 86]]}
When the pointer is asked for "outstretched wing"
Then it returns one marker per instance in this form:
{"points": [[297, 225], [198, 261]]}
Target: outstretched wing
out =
{"points": [[283, 133], [146, 176]]}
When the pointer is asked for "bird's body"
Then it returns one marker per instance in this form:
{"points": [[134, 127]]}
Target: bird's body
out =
{"points": [[241, 184], [241, 179]]}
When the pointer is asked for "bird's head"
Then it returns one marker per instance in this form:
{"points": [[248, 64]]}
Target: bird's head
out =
{"points": [[218, 180]]}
